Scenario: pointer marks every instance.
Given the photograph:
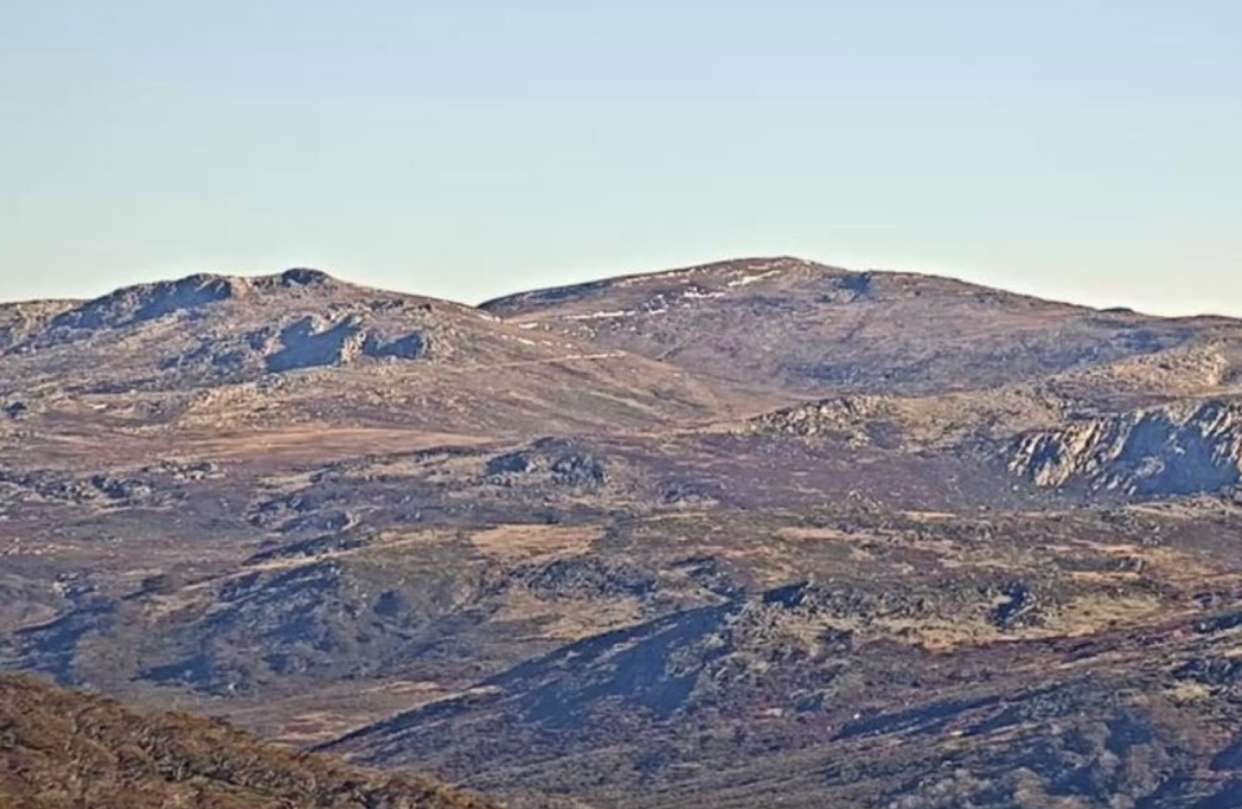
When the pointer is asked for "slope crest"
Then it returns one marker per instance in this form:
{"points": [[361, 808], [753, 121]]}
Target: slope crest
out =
{"points": [[809, 329], [59, 748]]}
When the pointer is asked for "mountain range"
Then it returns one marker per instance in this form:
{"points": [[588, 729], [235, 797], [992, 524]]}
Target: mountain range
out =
{"points": [[756, 533]]}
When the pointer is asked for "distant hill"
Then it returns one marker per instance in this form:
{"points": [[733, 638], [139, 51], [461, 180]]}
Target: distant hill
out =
{"points": [[809, 328], [301, 349]]}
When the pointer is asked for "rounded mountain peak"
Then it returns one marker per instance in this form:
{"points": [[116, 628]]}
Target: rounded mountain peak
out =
{"points": [[305, 276]]}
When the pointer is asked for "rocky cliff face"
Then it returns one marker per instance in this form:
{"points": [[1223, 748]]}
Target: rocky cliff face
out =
{"points": [[1190, 447], [20, 320], [1165, 451], [858, 420]]}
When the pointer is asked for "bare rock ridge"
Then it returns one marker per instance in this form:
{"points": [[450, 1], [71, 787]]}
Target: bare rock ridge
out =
{"points": [[138, 304], [19, 320], [783, 323], [145, 302], [1184, 449], [308, 344], [339, 324], [658, 291], [1158, 451]]}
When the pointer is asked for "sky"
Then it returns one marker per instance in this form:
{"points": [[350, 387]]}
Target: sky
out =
{"points": [[1086, 150]]}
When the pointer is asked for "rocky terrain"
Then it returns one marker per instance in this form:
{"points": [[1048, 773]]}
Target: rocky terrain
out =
{"points": [[757, 533], [810, 328]]}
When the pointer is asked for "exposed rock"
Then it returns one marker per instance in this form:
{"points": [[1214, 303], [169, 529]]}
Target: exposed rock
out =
{"points": [[584, 576], [855, 419], [148, 302], [410, 347], [295, 512], [309, 343], [1174, 450], [688, 492], [183, 471], [558, 460], [849, 601], [1217, 672], [304, 277], [313, 343], [121, 489], [52, 486], [19, 321]]}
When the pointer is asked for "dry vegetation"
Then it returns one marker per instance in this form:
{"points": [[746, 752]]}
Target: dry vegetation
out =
{"points": [[61, 750]]}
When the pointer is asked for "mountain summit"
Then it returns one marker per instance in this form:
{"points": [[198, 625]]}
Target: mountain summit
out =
{"points": [[811, 328]]}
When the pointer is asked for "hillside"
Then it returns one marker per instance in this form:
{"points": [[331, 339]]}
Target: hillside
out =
{"points": [[812, 695], [216, 356], [762, 532], [809, 328], [59, 748]]}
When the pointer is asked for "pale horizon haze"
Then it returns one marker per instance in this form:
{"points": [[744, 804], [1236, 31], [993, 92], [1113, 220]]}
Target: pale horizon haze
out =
{"points": [[1083, 150]]}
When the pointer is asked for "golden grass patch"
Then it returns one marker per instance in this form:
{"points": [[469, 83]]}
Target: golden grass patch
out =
{"points": [[528, 541]]}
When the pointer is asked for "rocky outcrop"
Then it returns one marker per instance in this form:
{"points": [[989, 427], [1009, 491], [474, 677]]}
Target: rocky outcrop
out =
{"points": [[139, 304], [145, 302], [308, 344], [1168, 451], [1189, 448], [18, 321], [949, 422], [101, 490], [557, 461], [311, 341], [856, 419]]}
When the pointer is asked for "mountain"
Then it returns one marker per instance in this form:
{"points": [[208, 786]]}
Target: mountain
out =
{"points": [[214, 356], [62, 748], [808, 328], [762, 532]]}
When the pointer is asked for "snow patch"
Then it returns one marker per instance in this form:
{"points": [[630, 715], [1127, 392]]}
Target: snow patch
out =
{"points": [[751, 279], [604, 315], [645, 278]]}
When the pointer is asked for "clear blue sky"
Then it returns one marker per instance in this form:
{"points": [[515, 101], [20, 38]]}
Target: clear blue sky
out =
{"points": [[1082, 149]]}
